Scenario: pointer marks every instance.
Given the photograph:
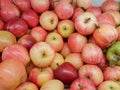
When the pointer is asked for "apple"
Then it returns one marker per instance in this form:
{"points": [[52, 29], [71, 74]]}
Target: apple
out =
{"points": [[109, 85], [42, 54], [6, 39], [110, 5], [95, 10], [17, 52], [27, 86], [76, 42], [108, 19], [64, 10], [12, 73], [40, 75], [112, 73], [82, 84], [53, 84], [77, 11], [58, 60], [86, 23], [65, 50], [40, 6], [113, 53], [84, 3], [95, 54], [65, 28], [27, 41], [1, 24], [31, 17], [92, 72], [105, 35], [55, 40], [66, 72], [38, 33], [48, 20], [75, 59]]}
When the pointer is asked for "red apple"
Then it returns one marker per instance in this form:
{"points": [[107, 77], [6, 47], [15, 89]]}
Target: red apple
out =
{"points": [[75, 59], [86, 23], [95, 53], [6, 39], [12, 73], [42, 54], [38, 33], [76, 42], [41, 75], [66, 72], [1, 24], [110, 5], [64, 10], [55, 40], [48, 20], [27, 86], [17, 52], [92, 72], [65, 28], [40, 6], [27, 41], [82, 84], [31, 17], [108, 85], [105, 35]]}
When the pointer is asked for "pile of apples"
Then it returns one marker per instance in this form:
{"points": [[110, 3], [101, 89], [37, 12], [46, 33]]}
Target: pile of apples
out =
{"points": [[59, 44]]}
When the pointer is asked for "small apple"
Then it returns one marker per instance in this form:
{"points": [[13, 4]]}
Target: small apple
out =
{"points": [[92, 72], [113, 53], [109, 85], [76, 42], [64, 10], [53, 84], [75, 59], [86, 23], [55, 40], [58, 60], [38, 33], [66, 72], [42, 54], [65, 28], [41, 75], [27, 86], [82, 84], [17, 52], [6, 39], [48, 20]]}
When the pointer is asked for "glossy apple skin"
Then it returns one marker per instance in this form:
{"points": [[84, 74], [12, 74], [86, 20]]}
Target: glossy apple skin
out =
{"points": [[17, 52], [64, 10], [27, 41], [41, 75], [105, 35], [6, 39], [48, 20], [11, 76], [107, 85], [76, 42], [64, 70], [82, 84], [42, 54], [27, 86], [55, 40], [92, 72], [95, 53], [53, 84], [38, 33]]}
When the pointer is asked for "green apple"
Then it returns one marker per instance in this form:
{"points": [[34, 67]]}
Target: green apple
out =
{"points": [[113, 54]]}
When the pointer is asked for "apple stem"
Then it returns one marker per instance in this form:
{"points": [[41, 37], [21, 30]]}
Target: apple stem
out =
{"points": [[87, 20]]}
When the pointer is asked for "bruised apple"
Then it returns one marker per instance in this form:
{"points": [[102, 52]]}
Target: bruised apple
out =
{"points": [[12, 73]]}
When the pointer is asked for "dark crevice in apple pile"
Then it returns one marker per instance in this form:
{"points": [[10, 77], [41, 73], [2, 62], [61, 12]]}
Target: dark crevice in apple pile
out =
{"points": [[59, 44]]}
